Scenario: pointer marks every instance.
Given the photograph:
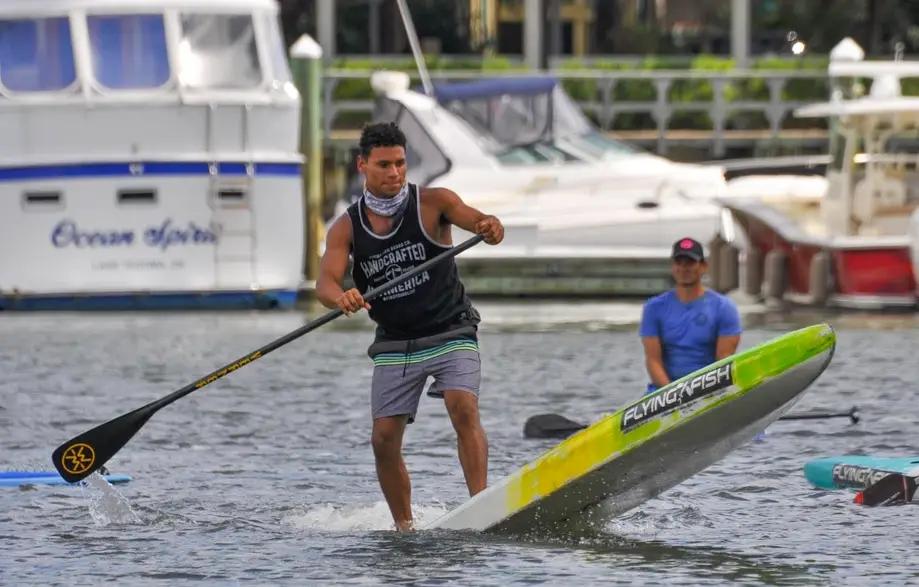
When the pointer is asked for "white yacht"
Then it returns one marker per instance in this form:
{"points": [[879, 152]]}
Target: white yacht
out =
{"points": [[519, 148], [149, 156]]}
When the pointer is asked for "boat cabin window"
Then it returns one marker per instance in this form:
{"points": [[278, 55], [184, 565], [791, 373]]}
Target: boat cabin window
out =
{"points": [[128, 51], [232, 195], [218, 51], [42, 200], [132, 51], [36, 55], [227, 192], [141, 196]]}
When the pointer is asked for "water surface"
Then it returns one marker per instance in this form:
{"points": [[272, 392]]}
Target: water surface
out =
{"points": [[266, 477]]}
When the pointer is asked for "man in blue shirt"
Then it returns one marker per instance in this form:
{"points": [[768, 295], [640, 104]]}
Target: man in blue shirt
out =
{"points": [[690, 326]]}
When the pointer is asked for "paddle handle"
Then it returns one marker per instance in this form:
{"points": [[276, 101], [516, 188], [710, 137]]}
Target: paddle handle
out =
{"points": [[308, 327]]}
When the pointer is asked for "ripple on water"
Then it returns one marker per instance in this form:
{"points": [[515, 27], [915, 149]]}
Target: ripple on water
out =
{"points": [[267, 476]]}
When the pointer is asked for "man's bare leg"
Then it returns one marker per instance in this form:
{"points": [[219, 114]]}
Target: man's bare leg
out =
{"points": [[472, 443], [391, 472]]}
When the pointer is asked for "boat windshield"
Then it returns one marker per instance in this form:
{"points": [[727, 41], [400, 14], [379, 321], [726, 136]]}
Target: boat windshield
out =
{"points": [[529, 120], [533, 153]]}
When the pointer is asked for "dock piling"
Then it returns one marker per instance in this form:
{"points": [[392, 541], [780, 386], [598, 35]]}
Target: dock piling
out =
{"points": [[307, 68]]}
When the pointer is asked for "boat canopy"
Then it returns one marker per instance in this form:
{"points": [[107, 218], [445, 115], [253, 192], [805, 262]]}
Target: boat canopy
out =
{"points": [[521, 112]]}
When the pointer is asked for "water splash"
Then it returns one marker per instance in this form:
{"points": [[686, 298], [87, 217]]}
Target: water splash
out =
{"points": [[106, 504], [349, 518]]}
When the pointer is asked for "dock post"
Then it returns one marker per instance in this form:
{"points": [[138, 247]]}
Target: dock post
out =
{"points": [[307, 68], [534, 50], [740, 33]]}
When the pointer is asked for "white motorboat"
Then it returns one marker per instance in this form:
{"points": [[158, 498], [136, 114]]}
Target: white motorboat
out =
{"points": [[851, 239], [519, 148], [149, 156]]}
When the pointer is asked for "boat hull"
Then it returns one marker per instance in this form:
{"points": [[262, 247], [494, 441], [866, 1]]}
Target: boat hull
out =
{"points": [[151, 235], [143, 301], [866, 273]]}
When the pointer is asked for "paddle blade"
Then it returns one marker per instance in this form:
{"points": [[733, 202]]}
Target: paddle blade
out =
{"points": [[81, 456], [889, 490], [550, 426], [853, 415]]}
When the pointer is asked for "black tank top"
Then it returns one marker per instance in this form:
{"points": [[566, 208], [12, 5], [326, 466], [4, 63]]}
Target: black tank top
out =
{"points": [[424, 305]]}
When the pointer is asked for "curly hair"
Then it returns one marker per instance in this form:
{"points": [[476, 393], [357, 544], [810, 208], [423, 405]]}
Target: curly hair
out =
{"points": [[380, 134]]}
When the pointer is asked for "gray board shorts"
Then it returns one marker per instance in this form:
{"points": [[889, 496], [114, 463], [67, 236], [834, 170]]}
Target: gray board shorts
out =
{"points": [[401, 369]]}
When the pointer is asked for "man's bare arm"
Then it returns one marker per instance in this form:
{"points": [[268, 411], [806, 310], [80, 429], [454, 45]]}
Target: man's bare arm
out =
{"points": [[654, 360], [460, 214], [334, 262], [726, 346], [455, 210]]}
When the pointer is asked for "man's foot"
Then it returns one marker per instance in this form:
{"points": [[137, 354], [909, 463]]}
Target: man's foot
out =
{"points": [[405, 526]]}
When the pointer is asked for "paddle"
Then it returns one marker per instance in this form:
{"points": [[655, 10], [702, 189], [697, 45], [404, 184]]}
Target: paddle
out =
{"points": [[80, 456], [891, 489], [556, 426], [852, 415]]}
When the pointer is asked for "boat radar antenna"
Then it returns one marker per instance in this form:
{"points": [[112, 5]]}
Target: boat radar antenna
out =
{"points": [[416, 48]]}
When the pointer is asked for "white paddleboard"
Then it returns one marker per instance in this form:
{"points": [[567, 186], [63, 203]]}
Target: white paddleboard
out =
{"points": [[654, 443]]}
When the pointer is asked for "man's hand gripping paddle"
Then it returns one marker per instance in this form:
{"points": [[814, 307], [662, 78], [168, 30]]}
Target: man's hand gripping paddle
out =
{"points": [[79, 457]]}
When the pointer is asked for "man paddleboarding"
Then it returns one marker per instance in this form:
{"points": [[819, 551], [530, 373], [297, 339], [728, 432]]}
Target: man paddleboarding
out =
{"points": [[690, 326], [426, 326]]}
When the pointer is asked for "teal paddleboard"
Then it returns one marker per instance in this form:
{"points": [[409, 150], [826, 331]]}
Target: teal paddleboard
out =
{"points": [[854, 471]]}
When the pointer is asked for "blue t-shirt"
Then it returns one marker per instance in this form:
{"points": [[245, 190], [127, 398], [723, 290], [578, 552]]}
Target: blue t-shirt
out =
{"points": [[688, 331]]}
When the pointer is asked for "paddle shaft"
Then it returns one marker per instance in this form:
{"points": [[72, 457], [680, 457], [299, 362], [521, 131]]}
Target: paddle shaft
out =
{"points": [[563, 427], [306, 328], [850, 415]]}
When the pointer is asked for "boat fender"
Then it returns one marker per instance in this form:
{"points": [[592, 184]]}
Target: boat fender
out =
{"points": [[914, 240], [774, 275], [819, 278], [753, 273], [714, 261], [728, 263]]}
